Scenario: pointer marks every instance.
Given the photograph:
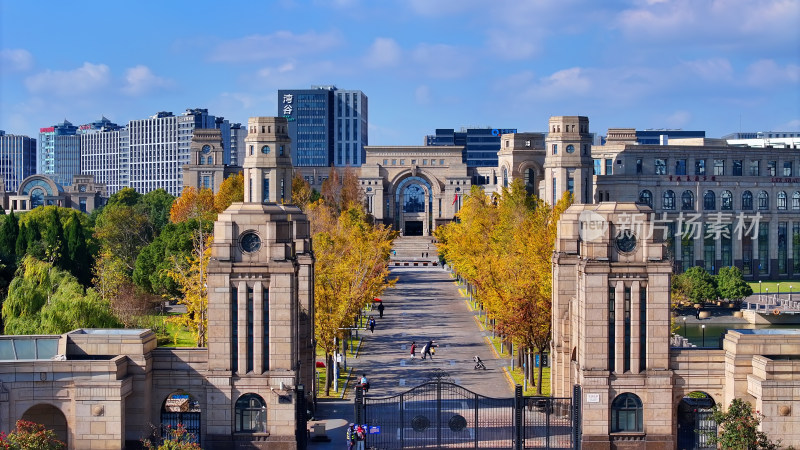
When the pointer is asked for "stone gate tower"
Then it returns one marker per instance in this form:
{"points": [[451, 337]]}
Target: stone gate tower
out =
{"points": [[568, 159], [261, 300], [611, 325]]}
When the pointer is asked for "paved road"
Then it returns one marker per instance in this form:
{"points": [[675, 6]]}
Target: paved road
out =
{"points": [[424, 305]]}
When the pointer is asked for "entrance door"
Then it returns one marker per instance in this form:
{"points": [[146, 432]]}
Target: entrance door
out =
{"points": [[413, 228], [694, 421]]}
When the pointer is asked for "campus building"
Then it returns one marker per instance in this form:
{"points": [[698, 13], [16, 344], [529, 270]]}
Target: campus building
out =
{"points": [[83, 194], [108, 389], [480, 144], [17, 159], [59, 155]]}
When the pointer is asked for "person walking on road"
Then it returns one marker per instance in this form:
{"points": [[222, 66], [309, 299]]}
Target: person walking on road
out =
{"points": [[371, 324], [413, 349], [351, 436], [380, 309], [361, 437], [427, 349]]}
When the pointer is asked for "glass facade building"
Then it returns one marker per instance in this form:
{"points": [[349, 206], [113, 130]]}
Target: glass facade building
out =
{"points": [[480, 144], [328, 126], [59, 155], [17, 159]]}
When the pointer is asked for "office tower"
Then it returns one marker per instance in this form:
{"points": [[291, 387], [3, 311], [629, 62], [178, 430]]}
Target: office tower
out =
{"points": [[17, 159], [328, 126], [480, 144], [59, 152], [103, 152], [238, 133]]}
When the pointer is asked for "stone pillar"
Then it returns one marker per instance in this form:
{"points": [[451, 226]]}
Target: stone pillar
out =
{"points": [[635, 322], [619, 326], [241, 329], [258, 324]]}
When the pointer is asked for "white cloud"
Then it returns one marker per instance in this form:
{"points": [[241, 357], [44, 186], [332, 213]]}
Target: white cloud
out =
{"points": [[714, 69], [278, 45], [767, 73], [140, 79], [513, 44], [87, 78], [441, 61], [422, 95], [567, 82], [15, 60], [678, 119], [437, 8], [384, 52]]}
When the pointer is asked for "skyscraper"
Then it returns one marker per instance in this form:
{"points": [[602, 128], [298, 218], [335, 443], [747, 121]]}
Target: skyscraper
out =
{"points": [[480, 144], [103, 151], [328, 126], [17, 159], [59, 152]]}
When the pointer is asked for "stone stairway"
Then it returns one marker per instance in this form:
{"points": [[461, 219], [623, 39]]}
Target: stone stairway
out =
{"points": [[414, 251]]}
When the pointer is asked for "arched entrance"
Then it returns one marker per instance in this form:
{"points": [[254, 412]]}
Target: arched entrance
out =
{"points": [[694, 421], [51, 417], [181, 408], [413, 206]]}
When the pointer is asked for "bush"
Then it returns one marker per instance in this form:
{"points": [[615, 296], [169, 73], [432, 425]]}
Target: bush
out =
{"points": [[738, 428], [177, 439], [31, 436]]}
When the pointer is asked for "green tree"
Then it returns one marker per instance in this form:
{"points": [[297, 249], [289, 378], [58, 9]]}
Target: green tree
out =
{"points": [[123, 231], [177, 438], [31, 436], [125, 196], [700, 285], [156, 206], [731, 284], [175, 241], [738, 428], [8, 235]]}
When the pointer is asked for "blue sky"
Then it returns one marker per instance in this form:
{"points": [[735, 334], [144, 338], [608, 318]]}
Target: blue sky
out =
{"points": [[714, 65]]}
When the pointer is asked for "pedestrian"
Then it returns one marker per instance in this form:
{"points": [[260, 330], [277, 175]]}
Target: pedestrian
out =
{"points": [[425, 350], [371, 324], [361, 436], [413, 349], [380, 309], [351, 436]]}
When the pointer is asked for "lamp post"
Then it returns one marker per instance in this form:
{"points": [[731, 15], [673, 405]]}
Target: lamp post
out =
{"points": [[704, 334], [684, 328], [759, 289], [790, 292]]}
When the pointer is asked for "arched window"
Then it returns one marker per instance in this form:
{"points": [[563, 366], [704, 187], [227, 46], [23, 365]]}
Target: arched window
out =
{"points": [[763, 200], [687, 201], [37, 198], [202, 160], [668, 200], [505, 177], [747, 200], [646, 198], [210, 160], [727, 200], [251, 414], [782, 200], [796, 200], [626, 413], [709, 201], [530, 180]]}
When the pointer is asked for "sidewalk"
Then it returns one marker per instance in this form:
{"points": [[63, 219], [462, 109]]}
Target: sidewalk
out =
{"points": [[424, 305]]}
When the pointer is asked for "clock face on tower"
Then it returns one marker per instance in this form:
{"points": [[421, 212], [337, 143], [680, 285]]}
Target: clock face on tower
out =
{"points": [[570, 148], [265, 149], [206, 149], [250, 242], [625, 242]]}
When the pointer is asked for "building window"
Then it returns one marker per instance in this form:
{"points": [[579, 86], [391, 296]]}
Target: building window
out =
{"points": [[82, 204], [787, 168], [626, 355], [754, 168], [709, 248], [609, 166], [783, 263], [796, 247], [763, 200], [782, 200], [626, 414], [570, 184], [747, 200], [680, 167], [612, 317], [441, 162], [555, 149], [700, 167], [250, 329], [206, 182], [772, 168], [265, 197], [687, 201], [763, 248], [385, 162], [402, 162], [394, 162], [529, 177], [555, 190], [726, 200], [265, 324], [709, 201], [737, 167], [719, 167], [597, 169], [661, 166], [646, 198], [796, 202], [638, 166], [251, 414], [668, 200]]}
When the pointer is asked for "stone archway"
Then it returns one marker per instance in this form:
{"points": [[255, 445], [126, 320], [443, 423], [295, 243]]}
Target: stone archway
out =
{"points": [[182, 408], [414, 206], [51, 417], [694, 421]]}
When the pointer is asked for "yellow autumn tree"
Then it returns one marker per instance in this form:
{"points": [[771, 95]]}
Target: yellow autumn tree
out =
{"points": [[231, 190], [191, 276], [351, 269]]}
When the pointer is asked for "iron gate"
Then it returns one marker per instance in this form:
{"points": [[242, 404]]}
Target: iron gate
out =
{"points": [[440, 414]]}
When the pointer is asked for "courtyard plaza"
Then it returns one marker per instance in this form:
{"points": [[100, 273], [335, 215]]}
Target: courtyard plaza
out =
{"points": [[425, 304]]}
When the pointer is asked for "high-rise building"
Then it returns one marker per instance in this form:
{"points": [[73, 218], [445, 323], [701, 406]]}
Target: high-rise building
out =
{"points": [[17, 159], [328, 126], [59, 152], [480, 144], [238, 133], [103, 151], [159, 147]]}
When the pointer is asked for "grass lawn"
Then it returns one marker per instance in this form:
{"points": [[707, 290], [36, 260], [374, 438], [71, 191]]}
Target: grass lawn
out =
{"points": [[343, 385], [773, 286], [169, 334]]}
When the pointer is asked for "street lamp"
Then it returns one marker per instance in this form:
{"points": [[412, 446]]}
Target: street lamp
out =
{"points": [[684, 328], [704, 334], [759, 288], [790, 292]]}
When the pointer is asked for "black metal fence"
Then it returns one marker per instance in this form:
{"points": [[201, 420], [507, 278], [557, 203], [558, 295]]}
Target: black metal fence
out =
{"points": [[441, 414]]}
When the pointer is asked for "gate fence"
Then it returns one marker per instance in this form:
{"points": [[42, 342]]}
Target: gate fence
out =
{"points": [[441, 414]]}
